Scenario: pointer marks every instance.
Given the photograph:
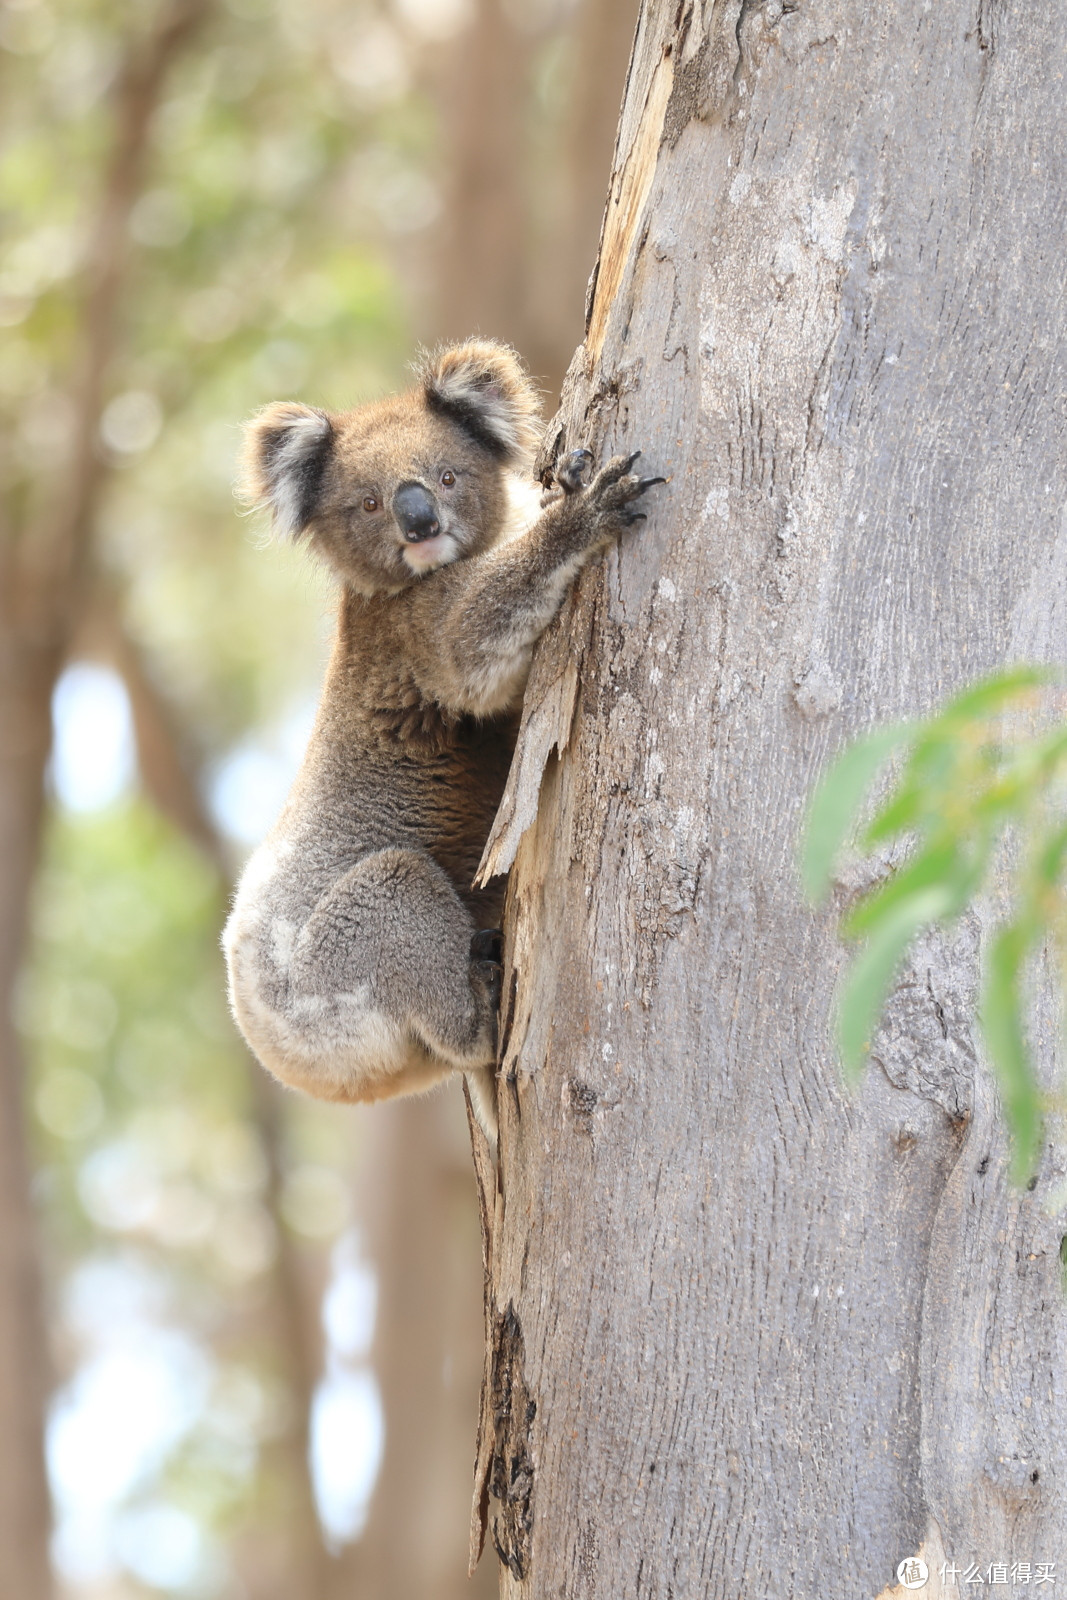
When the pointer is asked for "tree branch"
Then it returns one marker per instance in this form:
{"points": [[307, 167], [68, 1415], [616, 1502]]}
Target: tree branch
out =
{"points": [[167, 763], [53, 551]]}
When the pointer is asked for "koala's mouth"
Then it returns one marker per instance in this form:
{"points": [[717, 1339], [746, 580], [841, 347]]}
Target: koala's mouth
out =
{"points": [[430, 553]]}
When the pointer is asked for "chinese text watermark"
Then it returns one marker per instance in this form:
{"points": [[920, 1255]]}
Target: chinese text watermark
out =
{"points": [[915, 1574]]}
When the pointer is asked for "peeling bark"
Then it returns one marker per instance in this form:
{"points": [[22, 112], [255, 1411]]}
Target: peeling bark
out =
{"points": [[778, 1339]]}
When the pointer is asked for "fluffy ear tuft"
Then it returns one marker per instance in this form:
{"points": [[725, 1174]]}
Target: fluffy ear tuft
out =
{"points": [[484, 386], [286, 450]]}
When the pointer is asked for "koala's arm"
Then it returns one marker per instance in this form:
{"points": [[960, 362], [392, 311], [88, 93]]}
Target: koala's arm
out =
{"points": [[498, 605]]}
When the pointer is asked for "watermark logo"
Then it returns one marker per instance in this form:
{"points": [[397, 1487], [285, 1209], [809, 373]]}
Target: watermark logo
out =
{"points": [[915, 1574]]}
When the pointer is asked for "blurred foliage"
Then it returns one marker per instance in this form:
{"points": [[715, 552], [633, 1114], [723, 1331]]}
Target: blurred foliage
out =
{"points": [[258, 270], [152, 1183], [976, 786], [150, 1180], [279, 239], [259, 267]]}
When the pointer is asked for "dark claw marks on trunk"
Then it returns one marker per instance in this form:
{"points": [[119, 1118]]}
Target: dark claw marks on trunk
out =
{"points": [[488, 945], [571, 471]]}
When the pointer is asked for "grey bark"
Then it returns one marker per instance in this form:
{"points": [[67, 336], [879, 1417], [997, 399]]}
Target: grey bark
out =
{"points": [[749, 1336]]}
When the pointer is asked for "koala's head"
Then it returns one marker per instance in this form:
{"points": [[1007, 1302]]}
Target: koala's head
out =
{"points": [[391, 491]]}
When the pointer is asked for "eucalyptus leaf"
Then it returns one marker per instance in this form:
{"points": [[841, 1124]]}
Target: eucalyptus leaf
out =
{"points": [[1002, 1027], [992, 694], [872, 972], [972, 777], [1048, 865], [838, 799], [917, 797], [939, 864]]}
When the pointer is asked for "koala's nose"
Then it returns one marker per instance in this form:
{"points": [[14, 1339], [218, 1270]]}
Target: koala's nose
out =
{"points": [[415, 512]]}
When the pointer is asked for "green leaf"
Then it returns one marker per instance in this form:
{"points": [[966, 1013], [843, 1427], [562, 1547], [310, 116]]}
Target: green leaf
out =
{"points": [[837, 800], [1001, 1014], [928, 773], [938, 864], [872, 972], [1048, 863], [992, 694], [946, 863], [1034, 767]]}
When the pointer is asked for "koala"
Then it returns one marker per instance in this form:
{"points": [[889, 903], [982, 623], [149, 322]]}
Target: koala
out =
{"points": [[361, 962]]}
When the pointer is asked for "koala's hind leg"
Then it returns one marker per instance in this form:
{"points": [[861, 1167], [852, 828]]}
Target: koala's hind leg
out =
{"points": [[392, 938]]}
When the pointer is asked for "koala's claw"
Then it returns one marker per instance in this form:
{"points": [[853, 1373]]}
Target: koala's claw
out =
{"points": [[491, 974], [488, 945], [570, 472], [615, 489], [617, 468]]}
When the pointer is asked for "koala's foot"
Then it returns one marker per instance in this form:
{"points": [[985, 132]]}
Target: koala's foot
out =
{"points": [[488, 945], [490, 975], [615, 489], [570, 473]]}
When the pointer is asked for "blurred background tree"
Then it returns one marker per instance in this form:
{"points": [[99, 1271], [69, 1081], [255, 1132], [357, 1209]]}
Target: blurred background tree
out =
{"points": [[205, 206]]}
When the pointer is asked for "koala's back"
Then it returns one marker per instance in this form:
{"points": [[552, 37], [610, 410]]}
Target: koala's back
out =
{"points": [[389, 779], [387, 766]]}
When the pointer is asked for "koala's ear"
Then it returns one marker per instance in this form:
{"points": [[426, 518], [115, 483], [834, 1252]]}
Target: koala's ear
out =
{"points": [[483, 385], [286, 450]]}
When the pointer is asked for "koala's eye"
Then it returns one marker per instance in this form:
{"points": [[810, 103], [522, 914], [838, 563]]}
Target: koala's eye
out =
{"points": [[448, 477], [370, 502]]}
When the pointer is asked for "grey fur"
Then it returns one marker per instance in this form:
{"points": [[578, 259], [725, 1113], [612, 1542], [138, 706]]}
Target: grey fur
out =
{"points": [[349, 944]]}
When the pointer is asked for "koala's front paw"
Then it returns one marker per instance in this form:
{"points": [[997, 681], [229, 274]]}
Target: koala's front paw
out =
{"points": [[615, 489]]}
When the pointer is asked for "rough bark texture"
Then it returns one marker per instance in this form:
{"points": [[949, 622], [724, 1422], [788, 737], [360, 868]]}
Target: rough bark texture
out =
{"points": [[750, 1337]]}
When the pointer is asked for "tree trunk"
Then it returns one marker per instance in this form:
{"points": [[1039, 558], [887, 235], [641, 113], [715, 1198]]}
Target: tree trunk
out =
{"points": [[24, 1506], [298, 1560], [481, 90], [569, 187], [751, 1337]]}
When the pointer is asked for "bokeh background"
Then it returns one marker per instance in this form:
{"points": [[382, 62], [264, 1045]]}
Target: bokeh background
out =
{"points": [[251, 1323]]}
